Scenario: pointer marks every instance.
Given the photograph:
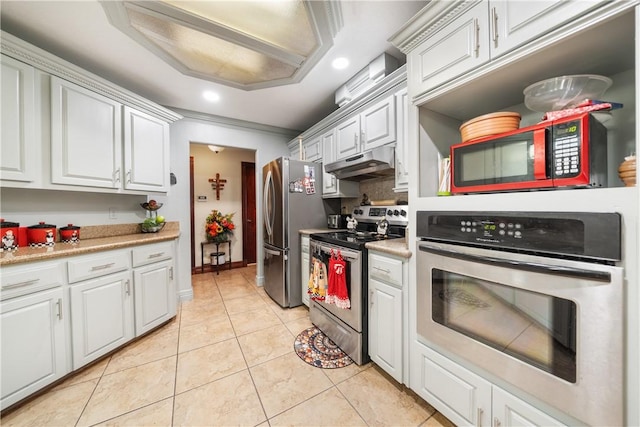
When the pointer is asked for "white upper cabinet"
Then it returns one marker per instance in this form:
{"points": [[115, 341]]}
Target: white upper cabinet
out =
{"points": [[483, 32], [332, 187], [515, 23], [312, 150], [18, 146], [373, 127], [86, 137], [402, 143], [146, 152], [451, 51]]}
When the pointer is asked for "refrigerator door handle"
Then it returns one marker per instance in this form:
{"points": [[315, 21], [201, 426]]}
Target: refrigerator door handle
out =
{"points": [[267, 204], [272, 252]]}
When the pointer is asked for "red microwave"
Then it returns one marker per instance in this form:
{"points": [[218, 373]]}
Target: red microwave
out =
{"points": [[568, 152]]}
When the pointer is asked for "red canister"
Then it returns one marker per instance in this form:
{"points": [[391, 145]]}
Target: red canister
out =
{"points": [[70, 233], [9, 231], [41, 234]]}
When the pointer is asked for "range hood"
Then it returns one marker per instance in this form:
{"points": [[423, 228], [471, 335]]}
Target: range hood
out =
{"points": [[370, 164]]}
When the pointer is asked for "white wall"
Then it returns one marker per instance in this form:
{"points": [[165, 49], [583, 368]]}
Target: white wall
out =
{"points": [[228, 163], [267, 146]]}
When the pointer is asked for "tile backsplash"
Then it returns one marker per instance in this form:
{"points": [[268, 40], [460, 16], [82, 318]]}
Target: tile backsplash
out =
{"points": [[375, 189]]}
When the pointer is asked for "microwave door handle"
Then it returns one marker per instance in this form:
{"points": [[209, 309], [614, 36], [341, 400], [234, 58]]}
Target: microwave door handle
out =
{"points": [[556, 270], [540, 153]]}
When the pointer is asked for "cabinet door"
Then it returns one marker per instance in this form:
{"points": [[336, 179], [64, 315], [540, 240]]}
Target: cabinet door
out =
{"points": [[146, 152], [515, 23], [155, 296], [385, 327], [18, 146], [459, 394], [459, 47], [332, 186], [34, 344], [102, 316], [509, 410], [402, 141], [312, 150], [304, 268], [86, 137], [348, 137], [378, 124]]}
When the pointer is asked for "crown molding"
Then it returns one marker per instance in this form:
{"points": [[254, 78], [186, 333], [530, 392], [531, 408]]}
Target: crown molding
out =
{"points": [[236, 123], [45, 61]]}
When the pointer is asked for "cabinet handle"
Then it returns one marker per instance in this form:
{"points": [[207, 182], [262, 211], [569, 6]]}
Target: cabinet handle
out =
{"points": [[362, 139], [496, 422], [371, 297], [21, 284], [127, 287], [156, 255], [479, 416], [355, 139], [102, 267], [476, 34], [494, 26], [171, 273], [129, 176], [116, 176], [59, 304], [382, 269]]}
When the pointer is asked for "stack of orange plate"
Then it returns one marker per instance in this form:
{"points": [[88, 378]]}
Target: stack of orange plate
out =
{"points": [[489, 124], [627, 171]]}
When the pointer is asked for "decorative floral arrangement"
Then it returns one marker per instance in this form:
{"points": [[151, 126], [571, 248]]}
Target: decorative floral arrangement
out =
{"points": [[218, 225]]}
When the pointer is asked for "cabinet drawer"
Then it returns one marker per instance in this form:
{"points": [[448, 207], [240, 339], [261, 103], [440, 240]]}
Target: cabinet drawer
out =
{"points": [[21, 280], [148, 254], [83, 268], [385, 269]]}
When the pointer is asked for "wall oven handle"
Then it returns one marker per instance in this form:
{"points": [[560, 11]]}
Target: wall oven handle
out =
{"points": [[601, 276]]}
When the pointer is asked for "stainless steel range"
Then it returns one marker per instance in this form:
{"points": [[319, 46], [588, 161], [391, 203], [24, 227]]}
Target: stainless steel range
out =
{"points": [[347, 327]]}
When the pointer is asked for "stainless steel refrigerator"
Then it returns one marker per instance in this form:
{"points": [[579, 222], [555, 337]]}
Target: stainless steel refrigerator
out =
{"points": [[292, 200]]}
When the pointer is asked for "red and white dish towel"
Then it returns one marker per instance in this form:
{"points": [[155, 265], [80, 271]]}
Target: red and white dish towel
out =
{"points": [[337, 292]]}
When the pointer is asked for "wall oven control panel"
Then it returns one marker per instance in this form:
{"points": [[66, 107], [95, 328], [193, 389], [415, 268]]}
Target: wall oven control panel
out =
{"points": [[576, 234]]}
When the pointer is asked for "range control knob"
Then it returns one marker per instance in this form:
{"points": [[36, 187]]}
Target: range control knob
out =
{"points": [[389, 212], [359, 211], [403, 213], [396, 212]]}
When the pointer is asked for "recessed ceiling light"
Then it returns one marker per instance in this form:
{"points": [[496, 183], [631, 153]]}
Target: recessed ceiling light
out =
{"points": [[340, 63], [211, 96]]}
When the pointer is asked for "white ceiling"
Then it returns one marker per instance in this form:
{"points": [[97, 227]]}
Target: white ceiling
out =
{"points": [[79, 32]]}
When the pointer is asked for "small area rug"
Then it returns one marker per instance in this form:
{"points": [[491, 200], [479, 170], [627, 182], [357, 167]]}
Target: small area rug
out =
{"points": [[315, 348]]}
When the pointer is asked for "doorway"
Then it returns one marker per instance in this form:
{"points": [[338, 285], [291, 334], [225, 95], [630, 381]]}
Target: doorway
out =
{"points": [[248, 213], [237, 195]]}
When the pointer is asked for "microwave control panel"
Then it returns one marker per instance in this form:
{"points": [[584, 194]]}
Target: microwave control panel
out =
{"points": [[566, 149]]}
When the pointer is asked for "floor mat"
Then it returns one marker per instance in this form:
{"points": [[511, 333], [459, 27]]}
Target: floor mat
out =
{"points": [[315, 348]]}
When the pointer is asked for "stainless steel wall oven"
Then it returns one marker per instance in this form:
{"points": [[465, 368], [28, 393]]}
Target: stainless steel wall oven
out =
{"points": [[535, 300]]}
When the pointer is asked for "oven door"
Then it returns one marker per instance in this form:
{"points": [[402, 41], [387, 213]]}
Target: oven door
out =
{"points": [[552, 328], [351, 316]]}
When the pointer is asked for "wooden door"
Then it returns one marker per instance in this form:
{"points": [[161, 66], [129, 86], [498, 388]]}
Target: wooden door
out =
{"points": [[248, 213]]}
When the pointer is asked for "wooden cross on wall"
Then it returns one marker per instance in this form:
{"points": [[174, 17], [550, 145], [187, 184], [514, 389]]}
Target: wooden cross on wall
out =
{"points": [[217, 184]]}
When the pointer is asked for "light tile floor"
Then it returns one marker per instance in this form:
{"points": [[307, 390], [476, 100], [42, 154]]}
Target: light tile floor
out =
{"points": [[226, 359]]}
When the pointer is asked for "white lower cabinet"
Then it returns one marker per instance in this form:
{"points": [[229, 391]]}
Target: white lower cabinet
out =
{"points": [[34, 343], [154, 288], [465, 398], [102, 316], [304, 268], [387, 276]]}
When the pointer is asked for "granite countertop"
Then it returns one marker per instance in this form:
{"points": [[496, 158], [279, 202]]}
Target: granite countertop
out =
{"points": [[93, 239], [396, 247]]}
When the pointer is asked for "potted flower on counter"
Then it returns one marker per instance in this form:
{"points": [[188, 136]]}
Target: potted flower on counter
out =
{"points": [[219, 227]]}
